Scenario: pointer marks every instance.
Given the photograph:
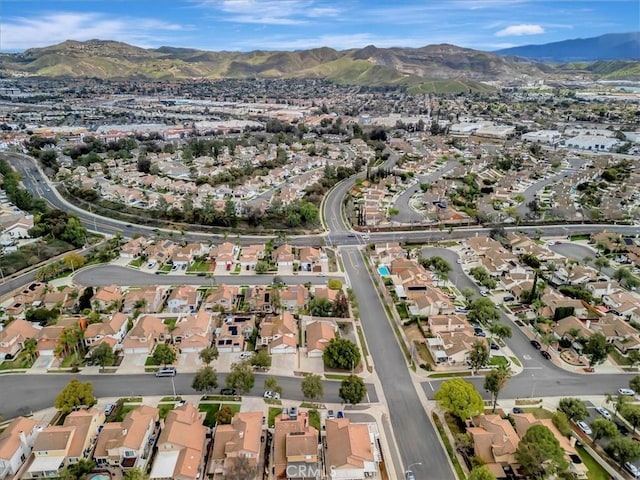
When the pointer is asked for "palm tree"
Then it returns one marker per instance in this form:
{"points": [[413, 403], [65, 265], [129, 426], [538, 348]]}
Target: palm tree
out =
{"points": [[30, 348]]}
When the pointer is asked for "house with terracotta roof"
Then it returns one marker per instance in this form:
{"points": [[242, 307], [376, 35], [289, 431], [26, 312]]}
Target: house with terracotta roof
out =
{"points": [[438, 324], [431, 302], [495, 441], [149, 299], [230, 337], [48, 338], [16, 442], [223, 297], [184, 299], [283, 256], [452, 348], [185, 256], [133, 248], [106, 296], [261, 299], [250, 256], [13, 336], [193, 332], [224, 255], [161, 251], [111, 330], [147, 332], [294, 297], [181, 445], [63, 299], [58, 446], [295, 444], [128, 444], [241, 438], [310, 259], [318, 333], [279, 333], [351, 449]]}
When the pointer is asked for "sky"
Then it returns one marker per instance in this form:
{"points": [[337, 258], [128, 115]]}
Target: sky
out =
{"points": [[245, 25]]}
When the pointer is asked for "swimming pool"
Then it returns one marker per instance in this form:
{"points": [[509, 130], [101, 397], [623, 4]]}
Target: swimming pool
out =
{"points": [[383, 270], [101, 476]]}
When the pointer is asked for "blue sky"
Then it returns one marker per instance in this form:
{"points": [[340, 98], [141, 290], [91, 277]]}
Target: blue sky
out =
{"points": [[300, 24]]}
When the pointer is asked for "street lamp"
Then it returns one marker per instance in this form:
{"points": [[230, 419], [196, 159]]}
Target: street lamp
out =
{"points": [[412, 465]]}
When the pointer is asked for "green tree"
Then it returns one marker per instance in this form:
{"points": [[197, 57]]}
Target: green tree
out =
{"points": [[341, 353], [632, 414], [74, 261], [241, 377], [74, 394], [103, 355], [334, 284], [78, 470], [480, 472], [600, 263], [500, 330], [164, 354], [539, 453], [209, 354], [271, 384], [561, 422], [479, 355], [205, 380], [634, 383], [31, 348], [601, 428], [468, 293], [262, 267], [135, 474], [573, 408], [623, 449], [261, 359], [483, 311], [495, 381], [596, 349], [224, 415], [459, 398], [633, 356], [352, 389], [312, 387], [320, 307]]}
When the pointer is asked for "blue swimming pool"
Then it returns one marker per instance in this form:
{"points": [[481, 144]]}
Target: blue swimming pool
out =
{"points": [[101, 476], [383, 270]]}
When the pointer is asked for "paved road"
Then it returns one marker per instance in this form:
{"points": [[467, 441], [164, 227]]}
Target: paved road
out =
{"points": [[416, 438], [406, 214], [102, 275], [21, 394]]}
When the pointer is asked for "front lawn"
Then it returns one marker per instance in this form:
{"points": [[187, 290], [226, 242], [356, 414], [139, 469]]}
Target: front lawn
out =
{"points": [[314, 419], [596, 472], [71, 359], [199, 266], [499, 360], [212, 410], [273, 413], [21, 361], [136, 262], [165, 408]]}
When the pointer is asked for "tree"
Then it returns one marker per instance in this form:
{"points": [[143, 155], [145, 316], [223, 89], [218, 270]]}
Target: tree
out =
{"points": [[601, 428], [539, 453], [271, 384], [479, 355], [78, 470], [205, 380], [261, 359], [208, 355], [241, 377], [224, 415], [573, 408], [312, 387], [634, 383], [561, 422], [601, 262], [459, 398], [320, 307], [31, 348], [74, 260], [596, 349], [480, 473], [495, 381], [239, 469], [633, 356], [334, 284], [74, 394], [484, 311], [352, 389], [340, 306], [632, 414], [135, 474], [103, 355], [341, 353], [164, 354], [623, 449], [500, 330], [468, 293]]}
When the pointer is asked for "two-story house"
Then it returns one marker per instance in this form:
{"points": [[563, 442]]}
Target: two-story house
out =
{"points": [[279, 333], [183, 299], [193, 332], [111, 330], [147, 332], [351, 449], [241, 438], [295, 444], [13, 336], [16, 442]]}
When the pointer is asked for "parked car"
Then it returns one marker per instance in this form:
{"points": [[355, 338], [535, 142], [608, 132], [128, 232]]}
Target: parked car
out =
{"points": [[545, 354], [331, 414], [108, 409], [271, 395], [632, 469], [604, 412], [495, 346], [584, 427], [167, 372], [340, 414], [517, 410], [626, 391], [245, 355], [536, 344], [227, 391]]}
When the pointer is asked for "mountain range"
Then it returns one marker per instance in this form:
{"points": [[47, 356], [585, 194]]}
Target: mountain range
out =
{"points": [[433, 68]]}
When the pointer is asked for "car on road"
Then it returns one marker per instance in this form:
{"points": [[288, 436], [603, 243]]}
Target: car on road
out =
{"points": [[459, 261], [228, 391], [479, 332], [517, 410], [495, 346], [536, 344], [129, 225], [545, 354], [167, 372], [484, 293], [622, 429], [632, 469], [604, 412], [584, 427], [409, 475], [626, 391], [271, 395]]}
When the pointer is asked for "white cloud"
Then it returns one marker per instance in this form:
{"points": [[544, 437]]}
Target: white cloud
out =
{"points": [[20, 33], [271, 12], [518, 30]]}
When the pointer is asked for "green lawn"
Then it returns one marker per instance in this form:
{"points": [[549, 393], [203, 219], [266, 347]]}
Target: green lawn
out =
{"points": [[150, 362], [166, 268], [335, 376], [314, 419], [445, 440], [170, 322], [21, 361], [165, 408], [136, 262], [539, 412], [596, 472], [199, 266], [273, 413], [499, 360], [123, 411], [211, 409]]}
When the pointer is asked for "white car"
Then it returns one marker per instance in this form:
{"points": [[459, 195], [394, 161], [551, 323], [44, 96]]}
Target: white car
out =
{"points": [[604, 412], [584, 427], [626, 391], [245, 355], [271, 395], [632, 469]]}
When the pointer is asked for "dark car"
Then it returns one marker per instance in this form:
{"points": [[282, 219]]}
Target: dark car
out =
{"points": [[536, 344], [227, 391], [495, 346], [545, 354], [518, 410]]}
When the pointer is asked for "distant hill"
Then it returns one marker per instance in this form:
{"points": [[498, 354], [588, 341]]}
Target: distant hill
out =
{"points": [[434, 68], [613, 46]]}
